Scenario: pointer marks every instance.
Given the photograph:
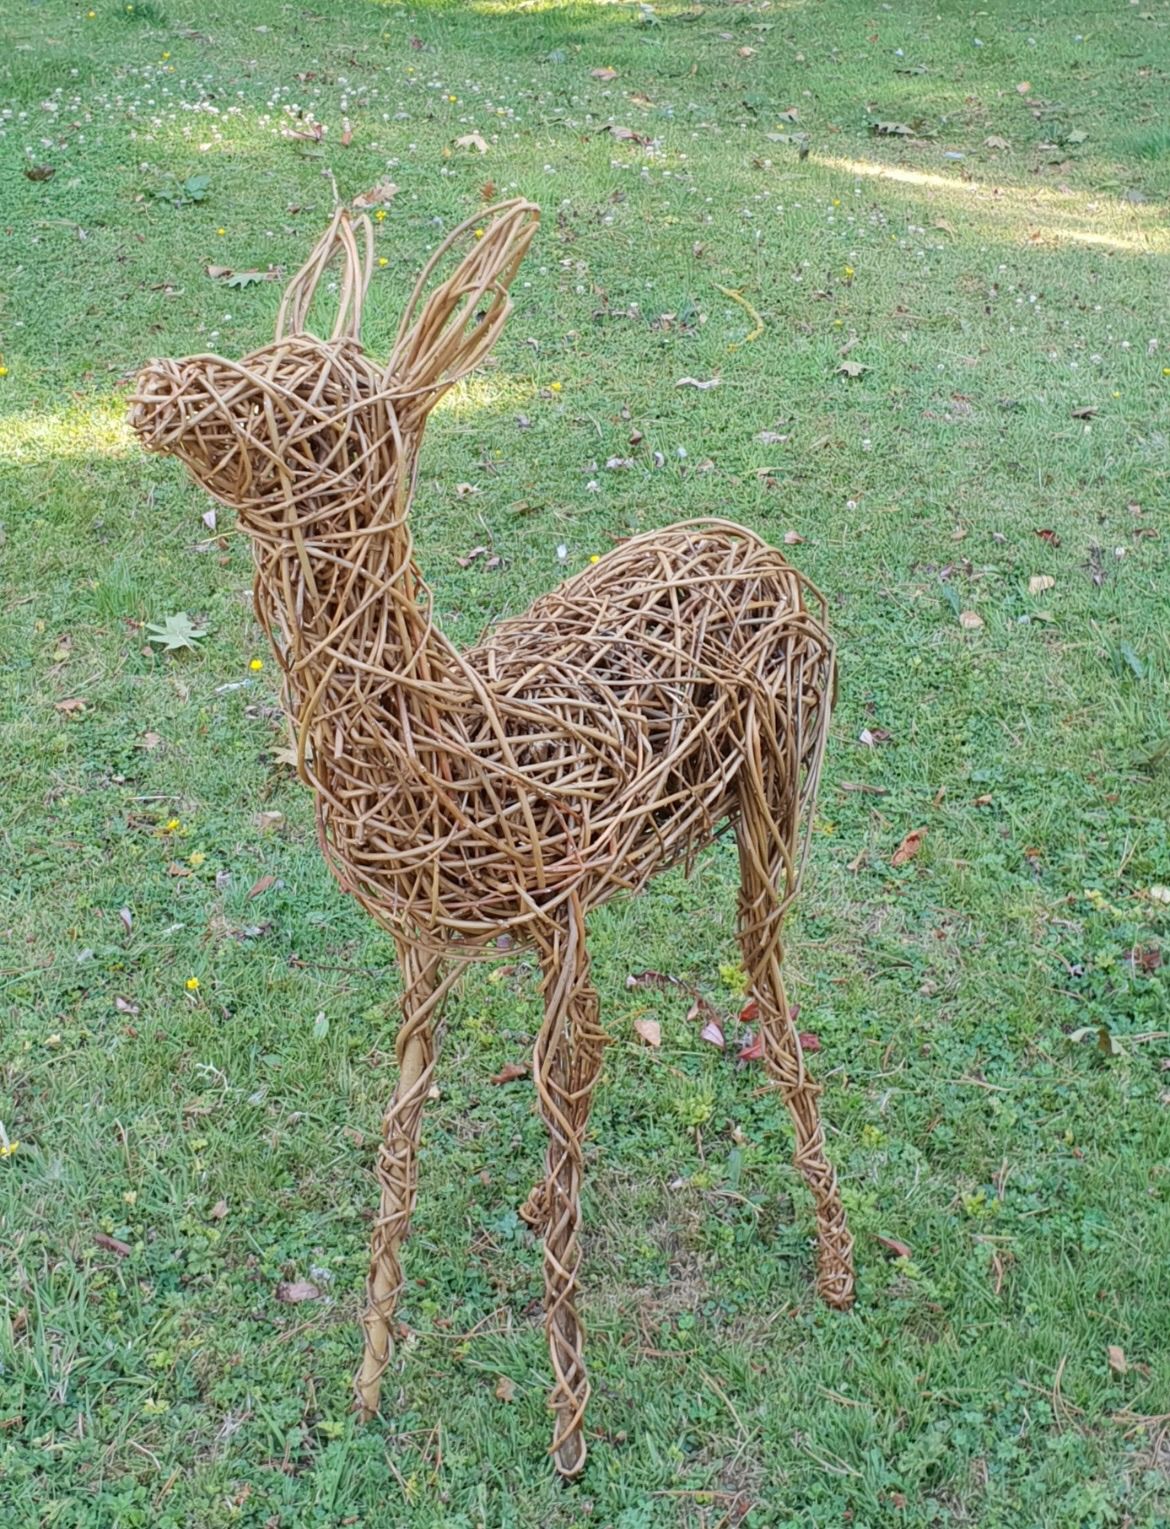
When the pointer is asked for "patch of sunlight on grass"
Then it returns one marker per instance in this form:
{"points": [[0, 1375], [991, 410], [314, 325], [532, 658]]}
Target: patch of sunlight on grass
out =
{"points": [[95, 428], [1038, 214], [478, 393]]}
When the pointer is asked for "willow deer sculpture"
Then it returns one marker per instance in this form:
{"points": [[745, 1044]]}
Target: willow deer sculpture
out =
{"points": [[681, 683]]}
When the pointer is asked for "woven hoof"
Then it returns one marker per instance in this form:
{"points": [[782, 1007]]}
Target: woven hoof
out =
{"points": [[835, 1276], [569, 1456]]}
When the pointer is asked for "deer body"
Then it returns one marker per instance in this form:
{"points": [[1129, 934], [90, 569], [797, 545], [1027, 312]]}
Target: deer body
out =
{"points": [[679, 684]]}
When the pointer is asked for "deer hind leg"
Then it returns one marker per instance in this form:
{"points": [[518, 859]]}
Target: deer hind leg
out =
{"points": [[566, 1062], [424, 988], [761, 912]]}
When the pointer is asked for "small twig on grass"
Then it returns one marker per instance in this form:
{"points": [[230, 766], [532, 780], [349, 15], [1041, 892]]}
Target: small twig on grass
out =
{"points": [[738, 297]]}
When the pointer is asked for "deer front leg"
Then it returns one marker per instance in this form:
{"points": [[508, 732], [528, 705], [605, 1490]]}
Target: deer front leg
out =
{"points": [[566, 1062], [423, 992]]}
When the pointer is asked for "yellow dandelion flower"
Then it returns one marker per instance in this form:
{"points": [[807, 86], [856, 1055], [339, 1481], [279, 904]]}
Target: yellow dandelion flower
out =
{"points": [[256, 665], [479, 233], [7, 1148], [165, 57], [595, 557], [848, 272], [1166, 371], [172, 825], [382, 260], [221, 232], [192, 984], [89, 15], [453, 99], [3, 371], [836, 201], [554, 387], [380, 215], [130, 1196], [197, 859]]}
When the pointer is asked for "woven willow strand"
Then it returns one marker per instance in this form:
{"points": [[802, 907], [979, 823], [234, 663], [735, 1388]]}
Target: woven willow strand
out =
{"points": [[681, 683]]}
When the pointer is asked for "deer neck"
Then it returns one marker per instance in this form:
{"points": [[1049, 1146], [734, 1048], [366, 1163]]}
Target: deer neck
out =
{"points": [[350, 617]]}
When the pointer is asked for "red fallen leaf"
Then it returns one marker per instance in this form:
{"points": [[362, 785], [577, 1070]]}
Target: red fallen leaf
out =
{"points": [[1147, 958], [1049, 536], [292, 1292], [893, 1247], [511, 1072], [112, 1245], [753, 1049], [751, 1011], [809, 1041], [909, 847], [261, 886]]}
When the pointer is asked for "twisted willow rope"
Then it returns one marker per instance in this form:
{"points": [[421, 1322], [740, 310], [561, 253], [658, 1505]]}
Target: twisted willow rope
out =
{"points": [[680, 683]]}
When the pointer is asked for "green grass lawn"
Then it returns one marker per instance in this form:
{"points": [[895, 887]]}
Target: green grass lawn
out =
{"points": [[197, 1027]]}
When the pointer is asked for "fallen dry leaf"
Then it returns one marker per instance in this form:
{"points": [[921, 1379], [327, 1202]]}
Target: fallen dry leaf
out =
{"points": [[792, 538], [996, 142], [851, 369], [649, 1031], [1039, 582], [909, 847], [893, 1247], [292, 1292], [112, 1244], [70, 708], [259, 887], [384, 191], [603, 74], [626, 134], [694, 382], [970, 621], [505, 1389], [1118, 1364], [474, 141], [124, 1006], [712, 1034], [218, 1211], [1049, 536], [511, 1072]]}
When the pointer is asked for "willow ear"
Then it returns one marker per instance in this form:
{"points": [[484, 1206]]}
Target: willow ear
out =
{"points": [[356, 264], [446, 336]]}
